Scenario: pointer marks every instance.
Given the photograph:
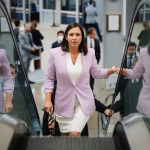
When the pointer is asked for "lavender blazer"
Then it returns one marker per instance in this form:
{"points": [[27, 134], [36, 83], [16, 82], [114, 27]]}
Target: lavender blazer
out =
{"points": [[5, 72], [66, 90], [142, 67], [6, 76]]}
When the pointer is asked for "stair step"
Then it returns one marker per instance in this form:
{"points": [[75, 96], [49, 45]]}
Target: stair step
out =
{"points": [[70, 143]]}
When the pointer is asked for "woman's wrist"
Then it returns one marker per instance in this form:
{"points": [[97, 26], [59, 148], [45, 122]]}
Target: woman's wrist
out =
{"points": [[9, 96], [113, 69], [48, 100]]}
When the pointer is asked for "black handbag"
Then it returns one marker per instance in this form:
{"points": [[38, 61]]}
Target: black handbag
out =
{"points": [[48, 124]]}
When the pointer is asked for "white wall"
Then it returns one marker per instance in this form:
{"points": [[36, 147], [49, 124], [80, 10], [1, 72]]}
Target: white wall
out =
{"points": [[113, 41]]}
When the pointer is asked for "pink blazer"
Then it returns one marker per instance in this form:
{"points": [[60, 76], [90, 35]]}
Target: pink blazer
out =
{"points": [[5, 72], [66, 90]]}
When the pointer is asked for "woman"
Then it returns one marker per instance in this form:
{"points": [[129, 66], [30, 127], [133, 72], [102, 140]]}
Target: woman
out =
{"points": [[142, 67], [71, 64], [8, 83], [37, 37]]}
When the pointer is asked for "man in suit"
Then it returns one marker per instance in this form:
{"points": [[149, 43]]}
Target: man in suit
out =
{"points": [[26, 46], [16, 29], [129, 89], [16, 32], [60, 35], [93, 42]]}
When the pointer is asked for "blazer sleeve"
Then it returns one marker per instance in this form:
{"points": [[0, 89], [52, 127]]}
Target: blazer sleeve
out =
{"points": [[95, 71], [140, 35], [6, 75], [39, 35], [50, 74], [100, 107], [138, 70]]}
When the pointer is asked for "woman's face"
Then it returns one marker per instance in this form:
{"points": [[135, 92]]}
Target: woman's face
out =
{"points": [[74, 37]]}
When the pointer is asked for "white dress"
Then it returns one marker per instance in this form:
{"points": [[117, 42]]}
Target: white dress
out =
{"points": [[79, 119]]}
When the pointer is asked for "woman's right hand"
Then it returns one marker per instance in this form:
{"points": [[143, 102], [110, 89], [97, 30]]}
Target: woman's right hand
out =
{"points": [[48, 106], [117, 70], [108, 112]]}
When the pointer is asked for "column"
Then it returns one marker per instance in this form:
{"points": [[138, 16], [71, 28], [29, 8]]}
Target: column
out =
{"points": [[124, 19], [77, 10], [24, 10]]}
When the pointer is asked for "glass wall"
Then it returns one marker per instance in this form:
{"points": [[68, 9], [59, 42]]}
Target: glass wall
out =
{"points": [[19, 3], [49, 4], [71, 5]]}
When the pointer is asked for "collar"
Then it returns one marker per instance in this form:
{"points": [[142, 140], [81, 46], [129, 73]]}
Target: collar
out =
{"points": [[89, 38], [131, 56]]}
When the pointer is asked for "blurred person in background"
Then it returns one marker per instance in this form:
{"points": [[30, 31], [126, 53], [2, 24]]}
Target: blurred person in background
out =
{"points": [[16, 32], [16, 29], [60, 35], [90, 18], [26, 46], [37, 37], [94, 43]]}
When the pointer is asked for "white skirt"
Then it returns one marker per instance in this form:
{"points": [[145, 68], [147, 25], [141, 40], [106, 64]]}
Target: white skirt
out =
{"points": [[76, 123]]}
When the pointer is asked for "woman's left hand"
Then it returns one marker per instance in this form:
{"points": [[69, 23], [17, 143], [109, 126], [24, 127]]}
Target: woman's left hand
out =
{"points": [[7, 106]]}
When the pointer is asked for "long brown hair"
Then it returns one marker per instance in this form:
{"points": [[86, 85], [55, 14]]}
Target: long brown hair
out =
{"points": [[82, 46], [33, 25]]}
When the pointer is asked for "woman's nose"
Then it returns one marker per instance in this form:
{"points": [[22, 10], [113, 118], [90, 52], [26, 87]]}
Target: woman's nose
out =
{"points": [[74, 37]]}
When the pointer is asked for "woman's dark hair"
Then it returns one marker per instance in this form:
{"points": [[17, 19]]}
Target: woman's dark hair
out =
{"points": [[33, 25], [82, 46]]}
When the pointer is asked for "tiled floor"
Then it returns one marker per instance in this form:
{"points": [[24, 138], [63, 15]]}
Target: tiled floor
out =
{"points": [[99, 89]]}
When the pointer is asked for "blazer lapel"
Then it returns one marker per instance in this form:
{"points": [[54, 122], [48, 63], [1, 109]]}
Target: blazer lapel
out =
{"points": [[83, 67], [64, 65]]}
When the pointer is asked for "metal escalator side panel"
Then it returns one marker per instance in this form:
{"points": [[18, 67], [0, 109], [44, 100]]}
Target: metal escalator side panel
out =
{"points": [[13, 132], [132, 133]]}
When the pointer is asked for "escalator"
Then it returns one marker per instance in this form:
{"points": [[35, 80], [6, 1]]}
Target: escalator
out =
{"points": [[21, 129], [131, 133]]}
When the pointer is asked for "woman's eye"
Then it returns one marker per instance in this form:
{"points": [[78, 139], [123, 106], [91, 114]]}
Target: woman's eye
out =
{"points": [[71, 34], [77, 34]]}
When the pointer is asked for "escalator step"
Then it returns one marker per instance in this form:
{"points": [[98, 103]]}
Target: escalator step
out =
{"points": [[70, 143]]}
